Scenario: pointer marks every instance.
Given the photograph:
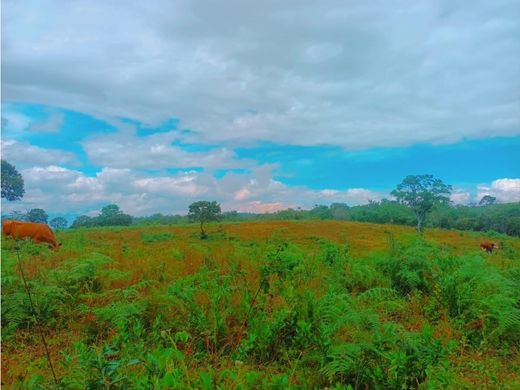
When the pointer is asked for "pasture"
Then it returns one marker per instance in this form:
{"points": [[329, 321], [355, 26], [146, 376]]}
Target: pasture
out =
{"points": [[265, 305]]}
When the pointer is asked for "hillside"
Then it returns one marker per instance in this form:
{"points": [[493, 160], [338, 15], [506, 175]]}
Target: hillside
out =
{"points": [[308, 304]]}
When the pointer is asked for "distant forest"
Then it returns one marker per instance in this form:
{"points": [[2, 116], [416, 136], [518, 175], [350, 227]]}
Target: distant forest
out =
{"points": [[502, 218]]}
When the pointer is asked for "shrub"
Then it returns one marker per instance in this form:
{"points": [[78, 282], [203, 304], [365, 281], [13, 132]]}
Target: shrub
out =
{"points": [[483, 301]]}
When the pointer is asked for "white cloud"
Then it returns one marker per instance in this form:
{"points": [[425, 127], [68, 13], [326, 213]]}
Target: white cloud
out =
{"points": [[14, 123], [460, 197], [357, 74], [505, 190], [126, 150], [242, 194], [23, 154], [61, 190], [259, 207]]}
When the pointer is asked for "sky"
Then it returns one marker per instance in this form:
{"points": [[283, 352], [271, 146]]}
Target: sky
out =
{"points": [[260, 105]]}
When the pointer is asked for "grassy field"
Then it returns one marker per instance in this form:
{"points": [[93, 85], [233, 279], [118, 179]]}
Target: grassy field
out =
{"points": [[270, 305]]}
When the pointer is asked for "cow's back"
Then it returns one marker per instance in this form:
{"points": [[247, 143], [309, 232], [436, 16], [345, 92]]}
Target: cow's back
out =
{"points": [[38, 232]]}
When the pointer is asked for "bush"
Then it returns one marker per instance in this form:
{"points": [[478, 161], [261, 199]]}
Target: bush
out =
{"points": [[411, 268], [482, 301]]}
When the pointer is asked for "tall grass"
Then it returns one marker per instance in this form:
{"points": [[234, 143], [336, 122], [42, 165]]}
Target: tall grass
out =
{"points": [[161, 309]]}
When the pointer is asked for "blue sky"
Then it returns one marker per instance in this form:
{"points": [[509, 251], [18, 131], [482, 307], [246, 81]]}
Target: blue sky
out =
{"points": [[260, 106]]}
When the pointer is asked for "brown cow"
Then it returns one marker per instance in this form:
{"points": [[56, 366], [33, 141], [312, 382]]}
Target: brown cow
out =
{"points": [[7, 226], [488, 246], [37, 232]]}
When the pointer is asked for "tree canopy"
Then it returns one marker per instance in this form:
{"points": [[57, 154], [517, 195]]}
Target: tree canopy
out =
{"points": [[12, 182], [204, 211], [110, 210], [37, 215], [420, 193], [487, 200], [58, 223], [111, 215]]}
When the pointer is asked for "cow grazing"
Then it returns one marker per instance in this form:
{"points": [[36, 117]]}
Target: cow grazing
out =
{"points": [[37, 232], [488, 246]]}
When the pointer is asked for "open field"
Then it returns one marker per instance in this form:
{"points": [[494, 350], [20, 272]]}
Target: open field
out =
{"points": [[264, 305]]}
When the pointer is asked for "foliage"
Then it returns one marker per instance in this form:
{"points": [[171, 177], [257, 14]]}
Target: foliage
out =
{"points": [[37, 215], [280, 305], [411, 268], [487, 200], [483, 301], [12, 182], [204, 211], [160, 219], [15, 215], [58, 223], [503, 218], [111, 215], [83, 221], [420, 193]]}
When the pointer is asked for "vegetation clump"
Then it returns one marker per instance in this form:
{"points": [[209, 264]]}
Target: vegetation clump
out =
{"points": [[283, 305]]}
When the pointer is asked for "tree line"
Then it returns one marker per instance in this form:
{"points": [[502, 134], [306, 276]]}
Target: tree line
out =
{"points": [[419, 200]]}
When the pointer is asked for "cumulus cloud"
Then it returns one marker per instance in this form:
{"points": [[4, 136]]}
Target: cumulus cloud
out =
{"points": [[357, 74], [460, 197], [61, 190], [262, 208], [156, 151], [505, 190], [23, 154]]}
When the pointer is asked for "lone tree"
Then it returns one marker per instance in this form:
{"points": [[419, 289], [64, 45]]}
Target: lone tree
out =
{"points": [[204, 211], [58, 223], [420, 193], [37, 215], [12, 182]]}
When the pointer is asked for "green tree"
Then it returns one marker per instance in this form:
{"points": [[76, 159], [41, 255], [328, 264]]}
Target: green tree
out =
{"points": [[12, 182], [83, 221], [420, 193], [111, 215], [487, 200], [204, 211], [37, 215], [320, 212], [118, 220], [58, 223], [110, 210], [339, 210], [16, 215]]}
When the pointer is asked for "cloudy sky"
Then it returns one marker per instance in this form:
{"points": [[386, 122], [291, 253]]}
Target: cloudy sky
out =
{"points": [[260, 105]]}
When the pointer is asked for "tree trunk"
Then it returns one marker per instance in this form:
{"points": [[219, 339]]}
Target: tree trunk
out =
{"points": [[420, 223], [202, 232]]}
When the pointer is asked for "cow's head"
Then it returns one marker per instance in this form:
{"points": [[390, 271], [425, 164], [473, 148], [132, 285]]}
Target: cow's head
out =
{"points": [[55, 246]]}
